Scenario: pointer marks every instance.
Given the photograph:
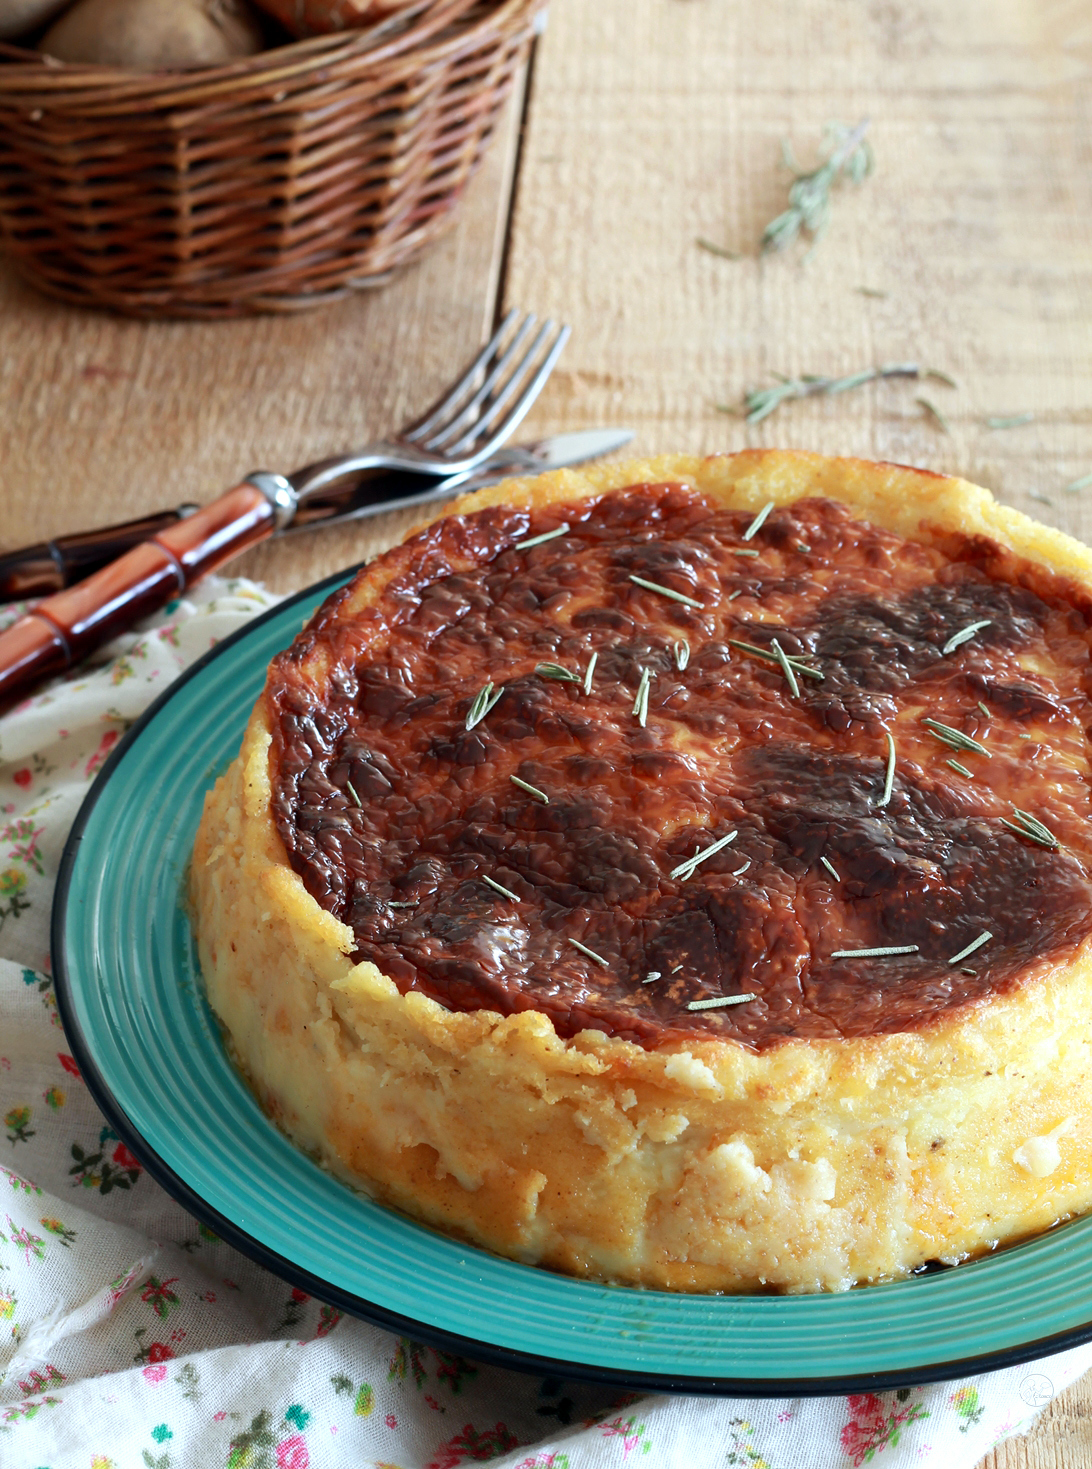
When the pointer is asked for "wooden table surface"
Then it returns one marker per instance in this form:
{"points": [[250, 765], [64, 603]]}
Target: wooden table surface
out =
{"points": [[645, 124]]}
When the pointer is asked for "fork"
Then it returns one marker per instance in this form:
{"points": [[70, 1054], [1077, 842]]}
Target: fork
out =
{"points": [[461, 429]]}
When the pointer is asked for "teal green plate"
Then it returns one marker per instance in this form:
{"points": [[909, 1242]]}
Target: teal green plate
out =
{"points": [[149, 1048]]}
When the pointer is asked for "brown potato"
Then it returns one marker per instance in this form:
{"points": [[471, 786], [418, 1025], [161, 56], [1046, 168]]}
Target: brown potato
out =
{"points": [[154, 35], [19, 16]]}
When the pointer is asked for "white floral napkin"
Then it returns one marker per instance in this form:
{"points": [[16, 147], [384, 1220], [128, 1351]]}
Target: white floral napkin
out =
{"points": [[131, 1336]]}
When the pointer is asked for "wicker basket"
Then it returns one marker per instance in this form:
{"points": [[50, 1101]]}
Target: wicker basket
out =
{"points": [[268, 184]]}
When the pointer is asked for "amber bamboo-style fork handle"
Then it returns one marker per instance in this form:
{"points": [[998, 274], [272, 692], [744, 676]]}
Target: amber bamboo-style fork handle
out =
{"points": [[64, 628]]}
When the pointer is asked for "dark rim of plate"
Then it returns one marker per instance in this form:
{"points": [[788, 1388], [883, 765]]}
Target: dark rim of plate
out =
{"points": [[357, 1306]]}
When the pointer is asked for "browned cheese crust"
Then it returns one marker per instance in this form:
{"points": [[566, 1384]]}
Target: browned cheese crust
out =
{"points": [[536, 900]]}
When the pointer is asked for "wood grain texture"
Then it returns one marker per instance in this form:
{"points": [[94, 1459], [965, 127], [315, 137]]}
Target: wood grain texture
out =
{"points": [[655, 121], [102, 419]]}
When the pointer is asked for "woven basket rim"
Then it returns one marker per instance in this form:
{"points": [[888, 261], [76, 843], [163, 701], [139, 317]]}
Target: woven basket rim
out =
{"points": [[34, 79]]}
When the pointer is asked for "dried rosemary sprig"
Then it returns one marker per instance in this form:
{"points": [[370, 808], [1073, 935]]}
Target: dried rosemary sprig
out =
{"points": [[983, 938], [720, 1002], [654, 586], [1016, 420], [796, 664], [530, 789], [935, 414], [640, 704], [889, 951], [830, 868], [955, 739], [964, 636], [959, 769], [482, 705], [889, 778], [1078, 484], [506, 892], [555, 670], [761, 402], [715, 249], [651, 977], [689, 867], [681, 650], [758, 522], [786, 668], [547, 535], [589, 672], [352, 791], [1031, 827], [590, 952], [846, 155]]}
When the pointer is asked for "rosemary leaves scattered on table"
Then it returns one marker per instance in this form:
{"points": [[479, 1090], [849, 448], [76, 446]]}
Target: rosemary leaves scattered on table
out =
{"points": [[845, 154], [761, 402], [714, 249], [933, 412]]}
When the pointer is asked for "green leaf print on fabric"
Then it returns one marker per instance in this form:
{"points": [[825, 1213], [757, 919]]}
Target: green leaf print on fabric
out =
{"points": [[633, 1434], [20, 1185], [258, 1446], [17, 1121], [293, 1309], [968, 1405], [32, 1245], [22, 838], [37, 1380], [253, 1449], [95, 1170], [24, 1412], [44, 985], [188, 1379], [740, 1449], [13, 904], [411, 1359], [63, 1236], [158, 1294]]}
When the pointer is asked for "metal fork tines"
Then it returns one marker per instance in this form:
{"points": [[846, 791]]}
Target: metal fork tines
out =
{"points": [[469, 421]]}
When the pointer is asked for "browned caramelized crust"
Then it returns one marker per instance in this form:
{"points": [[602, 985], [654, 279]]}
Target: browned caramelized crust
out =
{"points": [[536, 858]]}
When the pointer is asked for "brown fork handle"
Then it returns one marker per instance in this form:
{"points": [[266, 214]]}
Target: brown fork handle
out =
{"points": [[65, 628]]}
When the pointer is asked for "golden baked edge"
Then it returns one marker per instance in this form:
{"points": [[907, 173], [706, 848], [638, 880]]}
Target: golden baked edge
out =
{"points": [[814, 1165]]}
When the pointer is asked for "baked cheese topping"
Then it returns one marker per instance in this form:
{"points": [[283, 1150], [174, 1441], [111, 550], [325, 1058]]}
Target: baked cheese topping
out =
{"points": [[656, 768]]}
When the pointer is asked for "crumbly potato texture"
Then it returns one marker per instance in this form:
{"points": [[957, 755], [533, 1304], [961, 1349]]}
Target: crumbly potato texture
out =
{"points": [[811, 1165]]}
